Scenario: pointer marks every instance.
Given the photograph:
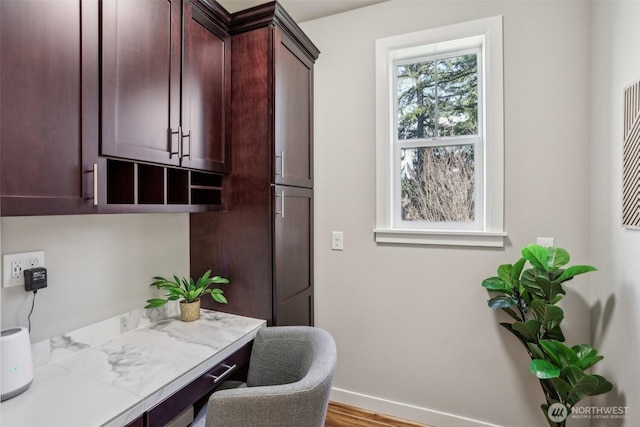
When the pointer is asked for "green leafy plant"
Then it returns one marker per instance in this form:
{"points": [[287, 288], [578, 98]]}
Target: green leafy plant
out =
{"points": [[529, 296], [187, 289]]}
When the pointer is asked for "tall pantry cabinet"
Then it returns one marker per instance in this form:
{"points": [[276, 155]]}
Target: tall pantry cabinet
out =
{"points": [[264, 241]]}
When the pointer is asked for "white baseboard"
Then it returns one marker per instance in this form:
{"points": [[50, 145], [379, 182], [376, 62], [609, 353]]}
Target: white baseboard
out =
{"points": [[403, 410]]}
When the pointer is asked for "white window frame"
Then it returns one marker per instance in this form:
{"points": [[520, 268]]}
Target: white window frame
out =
{"points": [[485, 35]]}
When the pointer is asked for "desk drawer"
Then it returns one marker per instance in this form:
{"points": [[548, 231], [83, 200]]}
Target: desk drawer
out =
{"points": [[195, 390]]}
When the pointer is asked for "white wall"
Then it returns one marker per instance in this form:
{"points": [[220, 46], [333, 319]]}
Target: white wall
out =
{"points": [[99, 266], [616, 251], [415, 337]]}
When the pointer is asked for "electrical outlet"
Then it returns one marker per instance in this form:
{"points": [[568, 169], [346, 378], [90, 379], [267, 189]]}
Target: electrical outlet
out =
{"points": [[16, 270], [13, 266], [545, 242]]}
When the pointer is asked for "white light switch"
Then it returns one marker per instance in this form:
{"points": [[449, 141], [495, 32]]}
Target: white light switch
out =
{"points": [[336, 240]]}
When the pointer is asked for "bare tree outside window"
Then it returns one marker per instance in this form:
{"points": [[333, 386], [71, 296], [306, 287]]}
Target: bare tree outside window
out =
{"points": [[437, 100], [438, 184]]}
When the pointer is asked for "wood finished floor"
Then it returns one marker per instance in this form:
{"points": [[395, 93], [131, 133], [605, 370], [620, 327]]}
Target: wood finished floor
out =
{"points": [[340, 415]]}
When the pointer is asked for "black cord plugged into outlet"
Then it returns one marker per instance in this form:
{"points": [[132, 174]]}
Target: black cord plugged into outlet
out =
{"points": [[34, 279], [33, 303]]}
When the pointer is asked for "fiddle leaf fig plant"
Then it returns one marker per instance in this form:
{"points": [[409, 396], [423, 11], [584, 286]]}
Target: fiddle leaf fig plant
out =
{"points": [[529, 296], [187, 289]]}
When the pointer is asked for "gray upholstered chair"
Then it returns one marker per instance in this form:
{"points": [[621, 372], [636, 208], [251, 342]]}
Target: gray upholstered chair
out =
{"points": [[288, 383]]}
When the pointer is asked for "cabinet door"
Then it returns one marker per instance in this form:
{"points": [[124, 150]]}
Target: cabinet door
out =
{"points": [[293, 113], [205, 93], [141, 80], [293, 274], [49, 77]]}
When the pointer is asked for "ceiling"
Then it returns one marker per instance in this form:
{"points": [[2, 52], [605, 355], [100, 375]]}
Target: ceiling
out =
{"points": [[303, 10]]}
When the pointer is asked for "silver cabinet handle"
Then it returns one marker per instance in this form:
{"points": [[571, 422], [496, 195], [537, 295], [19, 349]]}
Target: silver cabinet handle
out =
{"points": [[281, 157], [281, 213], [182, 136], [217, 378], [179, 133], [95, 184]]}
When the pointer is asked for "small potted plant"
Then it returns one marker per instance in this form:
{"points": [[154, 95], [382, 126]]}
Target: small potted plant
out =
{"points": [[189, 292]]}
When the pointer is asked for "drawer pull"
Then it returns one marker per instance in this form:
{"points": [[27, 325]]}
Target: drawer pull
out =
{"points": [[224, 374]]}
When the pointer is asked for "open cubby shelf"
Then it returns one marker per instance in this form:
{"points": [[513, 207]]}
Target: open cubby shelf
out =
{"points": [[131, 183]]}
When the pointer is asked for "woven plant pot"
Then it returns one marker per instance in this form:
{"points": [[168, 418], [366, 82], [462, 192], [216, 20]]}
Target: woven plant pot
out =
{"points": [[189, 311]]}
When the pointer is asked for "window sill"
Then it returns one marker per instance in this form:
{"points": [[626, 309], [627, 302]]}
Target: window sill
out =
{"points": [[433, 237]]}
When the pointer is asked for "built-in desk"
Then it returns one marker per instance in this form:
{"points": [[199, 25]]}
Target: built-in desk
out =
{"points": [[148, 372]]}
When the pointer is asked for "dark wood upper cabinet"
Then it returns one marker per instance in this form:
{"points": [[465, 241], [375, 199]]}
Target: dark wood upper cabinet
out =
{"points": [[141, 80], [48, 109], [133, 106], [205, 92], [164, 84], [293, 113]]}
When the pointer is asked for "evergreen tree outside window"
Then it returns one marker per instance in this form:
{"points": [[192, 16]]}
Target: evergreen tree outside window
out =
{"points": [[440, 136], [437, 101]]}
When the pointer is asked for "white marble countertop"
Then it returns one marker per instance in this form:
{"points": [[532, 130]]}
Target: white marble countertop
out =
{"points": [[113, 382]]}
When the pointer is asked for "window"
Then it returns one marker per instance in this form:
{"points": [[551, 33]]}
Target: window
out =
{"points": [[436, 140], [440, 136]]}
